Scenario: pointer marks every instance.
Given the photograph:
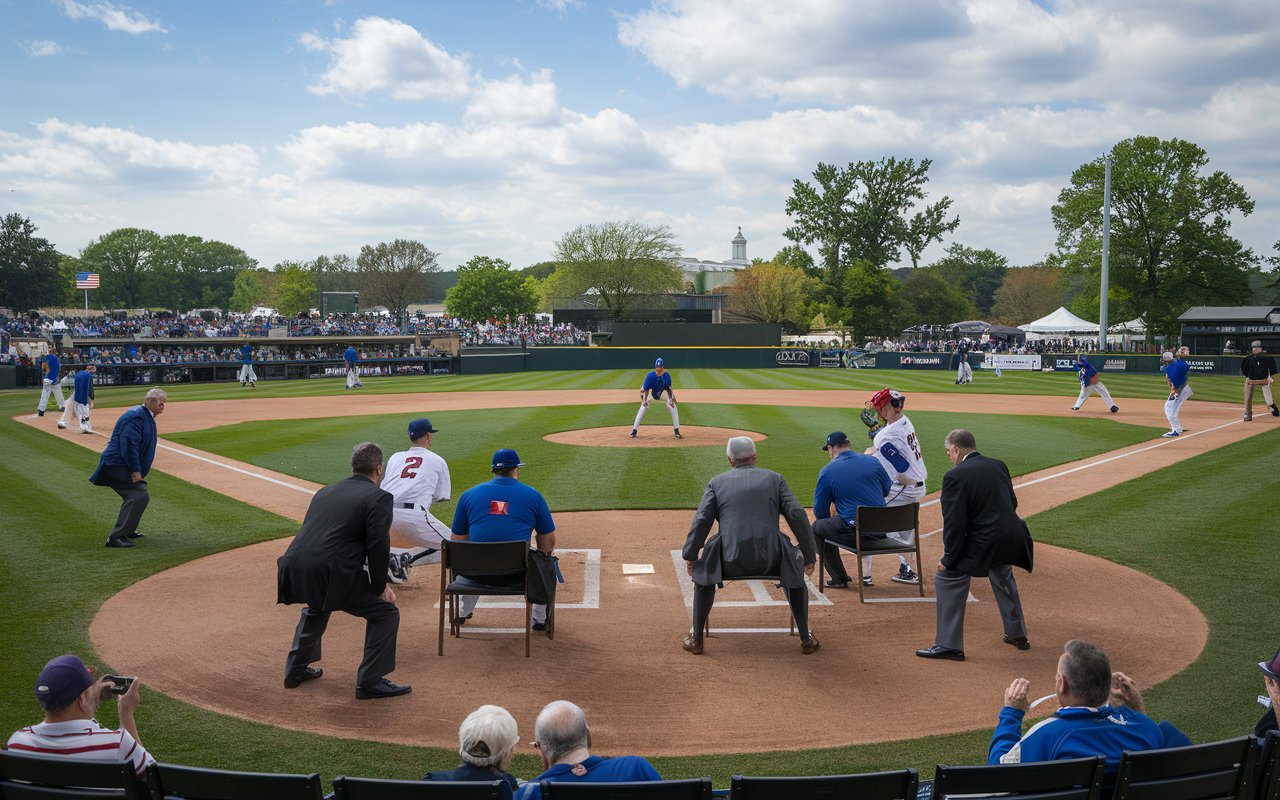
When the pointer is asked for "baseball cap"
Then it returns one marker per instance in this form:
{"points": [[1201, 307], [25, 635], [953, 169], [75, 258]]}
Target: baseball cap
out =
{"points": [[1255, 343], [658, 363], [506, 458], [835, 439], [1272, 667], [61, 681], [1166, 356], [420, 427]]}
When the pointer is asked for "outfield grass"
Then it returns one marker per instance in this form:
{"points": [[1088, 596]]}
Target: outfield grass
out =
{"points": [[1205, 526], [1221, 388]]}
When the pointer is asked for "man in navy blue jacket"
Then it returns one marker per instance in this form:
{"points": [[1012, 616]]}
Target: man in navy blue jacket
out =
{"points": [[125, 463]]}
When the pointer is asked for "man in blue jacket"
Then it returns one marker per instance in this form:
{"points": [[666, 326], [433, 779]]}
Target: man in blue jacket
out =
{"points": [[81, 396], [1097, 716], [125, 463], [1175, 375]]}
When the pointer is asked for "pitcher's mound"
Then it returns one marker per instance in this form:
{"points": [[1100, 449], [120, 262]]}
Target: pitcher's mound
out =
{"points": [[651, 436]]}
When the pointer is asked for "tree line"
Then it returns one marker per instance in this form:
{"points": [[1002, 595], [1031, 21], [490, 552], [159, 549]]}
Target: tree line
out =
{"points": [[1171, 248]]}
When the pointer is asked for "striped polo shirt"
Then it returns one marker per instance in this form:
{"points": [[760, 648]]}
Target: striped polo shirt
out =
{"points": [[83, 740]]}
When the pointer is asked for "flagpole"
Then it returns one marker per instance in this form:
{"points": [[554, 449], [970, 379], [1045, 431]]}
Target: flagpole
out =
{"points": [[86, 306]]}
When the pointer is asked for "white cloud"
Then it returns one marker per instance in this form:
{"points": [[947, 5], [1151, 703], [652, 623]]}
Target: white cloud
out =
{"points": [[386, 56], [41, 48], [114, 17], [514, 99]]}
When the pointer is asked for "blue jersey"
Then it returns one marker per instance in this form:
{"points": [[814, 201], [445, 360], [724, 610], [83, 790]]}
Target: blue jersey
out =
{"points": [[1078, 732], [598, 770], [657, 384], [850, 480], [1086, 371], [55, 366], [84, 387], [501, 510], [351, 356], [246, 354], [1176, 372]]}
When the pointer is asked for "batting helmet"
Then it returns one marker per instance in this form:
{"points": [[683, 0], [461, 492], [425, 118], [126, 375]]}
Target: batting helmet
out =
{"points": [[886, 395]]}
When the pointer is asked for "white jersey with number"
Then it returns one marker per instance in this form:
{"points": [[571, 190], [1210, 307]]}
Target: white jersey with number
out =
{"points": [[898, 451], [417, 475]]}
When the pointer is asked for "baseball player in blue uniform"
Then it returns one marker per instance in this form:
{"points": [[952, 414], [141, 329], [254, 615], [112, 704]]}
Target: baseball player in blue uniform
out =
{"points": [[49, 385], [247, 375], [657, 383], [964, 372], [1175, 375], [1090, 383], [351, 360], [81, 395]]}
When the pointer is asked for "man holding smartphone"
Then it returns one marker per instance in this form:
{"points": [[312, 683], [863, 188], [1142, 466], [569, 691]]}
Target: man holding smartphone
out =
{"points": [[69, 695]]}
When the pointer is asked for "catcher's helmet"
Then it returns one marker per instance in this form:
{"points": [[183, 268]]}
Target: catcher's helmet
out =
{"points": [[880, 398]]}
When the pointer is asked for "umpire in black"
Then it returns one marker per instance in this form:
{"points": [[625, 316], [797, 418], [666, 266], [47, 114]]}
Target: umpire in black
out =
{"points": [[1258, 369], [347, 528]]}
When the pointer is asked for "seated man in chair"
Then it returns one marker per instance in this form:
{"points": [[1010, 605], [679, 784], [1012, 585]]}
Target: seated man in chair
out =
{"points": [[746, 502]]}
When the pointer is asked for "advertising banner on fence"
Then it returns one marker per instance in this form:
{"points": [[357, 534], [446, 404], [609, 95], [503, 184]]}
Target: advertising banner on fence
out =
{"points": [[1114, 365], [1005, 361], [1061, 364], [922, 361], [792, 358]]}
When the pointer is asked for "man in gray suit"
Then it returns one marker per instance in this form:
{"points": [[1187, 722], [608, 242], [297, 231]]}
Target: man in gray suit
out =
{"points": [[747, 501], [982, 535]]}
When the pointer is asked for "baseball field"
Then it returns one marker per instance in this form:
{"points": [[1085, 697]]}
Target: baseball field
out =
{"points": [[1162, 551]]}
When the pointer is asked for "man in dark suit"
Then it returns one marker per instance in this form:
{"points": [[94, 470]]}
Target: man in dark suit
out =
{"points": [[746, 502], [982, 535], [125, 463], [348, 525]]}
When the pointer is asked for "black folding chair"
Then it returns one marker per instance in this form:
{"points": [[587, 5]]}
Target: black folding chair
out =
{"points": [[27, 776], [692, 789], [1215, 771], [345, 788], [506, 563], [901, 784], [1073, 779], [880, 519], [193, 783]]}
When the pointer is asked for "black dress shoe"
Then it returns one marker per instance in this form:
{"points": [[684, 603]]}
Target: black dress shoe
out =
{"points": [[937, 651], [383, 688], [135, 535], [298, 678], [538, 626], [120, 543], [836, 583], [1019, 642]]}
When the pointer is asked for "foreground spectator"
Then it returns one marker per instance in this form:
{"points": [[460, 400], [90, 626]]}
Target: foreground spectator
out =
{"points": [[1097, 715], [486, 740], [563, 741], [1271, 678], [69, 695]]}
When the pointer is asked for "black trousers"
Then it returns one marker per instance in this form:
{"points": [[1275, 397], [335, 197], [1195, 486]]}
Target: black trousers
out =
{"points": [[133, 495], [382, 623], [705, 596]]}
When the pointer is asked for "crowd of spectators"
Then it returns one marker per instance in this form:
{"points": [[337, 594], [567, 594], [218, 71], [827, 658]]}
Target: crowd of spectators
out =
{"points": [[1063, 345], [180, 354]]}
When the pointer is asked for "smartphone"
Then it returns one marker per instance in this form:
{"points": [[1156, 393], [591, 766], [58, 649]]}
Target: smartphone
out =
{"points": [[119, 684]]}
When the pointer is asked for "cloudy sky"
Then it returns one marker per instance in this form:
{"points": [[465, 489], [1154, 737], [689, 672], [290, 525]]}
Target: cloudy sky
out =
{"points": [[295, 128]]}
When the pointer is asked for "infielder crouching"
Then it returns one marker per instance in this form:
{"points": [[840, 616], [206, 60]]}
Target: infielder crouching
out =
{"points": [[416, 478], [1175, 375], [655, 384]]}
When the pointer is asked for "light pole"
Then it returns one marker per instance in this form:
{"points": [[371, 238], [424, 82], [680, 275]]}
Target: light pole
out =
{"points": [[1106, 247]]}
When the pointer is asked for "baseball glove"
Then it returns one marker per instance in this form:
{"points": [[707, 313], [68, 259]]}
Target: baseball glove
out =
{"points": [[872, 420]]}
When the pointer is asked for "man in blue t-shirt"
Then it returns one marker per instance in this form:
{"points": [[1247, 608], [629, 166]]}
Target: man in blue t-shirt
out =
{"points": [[656, 383], [49, 384], [503, 510], [1175, 375], [848, 480], [351, 360], [247, 375], [563, 741]]}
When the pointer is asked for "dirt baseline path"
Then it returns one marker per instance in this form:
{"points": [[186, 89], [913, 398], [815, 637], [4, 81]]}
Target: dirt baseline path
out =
{"points": [[213, 623]]}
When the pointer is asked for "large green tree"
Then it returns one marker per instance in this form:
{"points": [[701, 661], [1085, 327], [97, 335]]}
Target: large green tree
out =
{"points": [[873, 301], [123, 258], [189, 272], [768, 292], [30, 275], [394, 274], [620, 261], [976, 273], [247, 291], [1027, 294], [295, 289], [1171, 245], [929, 297], [488, 288]]}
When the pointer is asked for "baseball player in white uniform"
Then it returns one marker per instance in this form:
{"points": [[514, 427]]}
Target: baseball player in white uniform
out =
{"points": [[416, 478], [655, 384], [895, 446]]}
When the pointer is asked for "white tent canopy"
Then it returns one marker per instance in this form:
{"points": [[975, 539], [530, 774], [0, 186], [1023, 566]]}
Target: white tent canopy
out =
{"points": [[1133, 326], [1062, 323]]}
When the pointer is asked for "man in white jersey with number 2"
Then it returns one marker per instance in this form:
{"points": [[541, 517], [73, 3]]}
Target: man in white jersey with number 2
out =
{"points": [[416, 478], [895, 446]]}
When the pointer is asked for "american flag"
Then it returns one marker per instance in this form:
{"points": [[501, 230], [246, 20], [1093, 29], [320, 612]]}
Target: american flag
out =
{"points": [[86, 280]]}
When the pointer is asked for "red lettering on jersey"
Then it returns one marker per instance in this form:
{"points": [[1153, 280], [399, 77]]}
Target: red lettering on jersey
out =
{"points": [[498, 507], [411, 464]]}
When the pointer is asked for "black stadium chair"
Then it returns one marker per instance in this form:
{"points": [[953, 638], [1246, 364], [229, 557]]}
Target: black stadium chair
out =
{"points": [[193, 783], [1074, 779], [25, 776], [345, 788], [692, 789], [899, 784], [880, 519], [1269, 768], [1215, 771], [477, 561]]}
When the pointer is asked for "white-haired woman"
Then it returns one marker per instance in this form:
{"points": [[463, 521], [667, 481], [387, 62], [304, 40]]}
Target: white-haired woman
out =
{"points": [[486, 740]]}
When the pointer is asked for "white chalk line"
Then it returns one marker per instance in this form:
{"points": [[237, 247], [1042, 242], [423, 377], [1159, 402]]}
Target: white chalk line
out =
{"points": [[267, 478]]}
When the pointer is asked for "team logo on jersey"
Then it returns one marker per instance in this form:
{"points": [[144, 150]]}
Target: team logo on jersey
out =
{"points": [[498, 507]]}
